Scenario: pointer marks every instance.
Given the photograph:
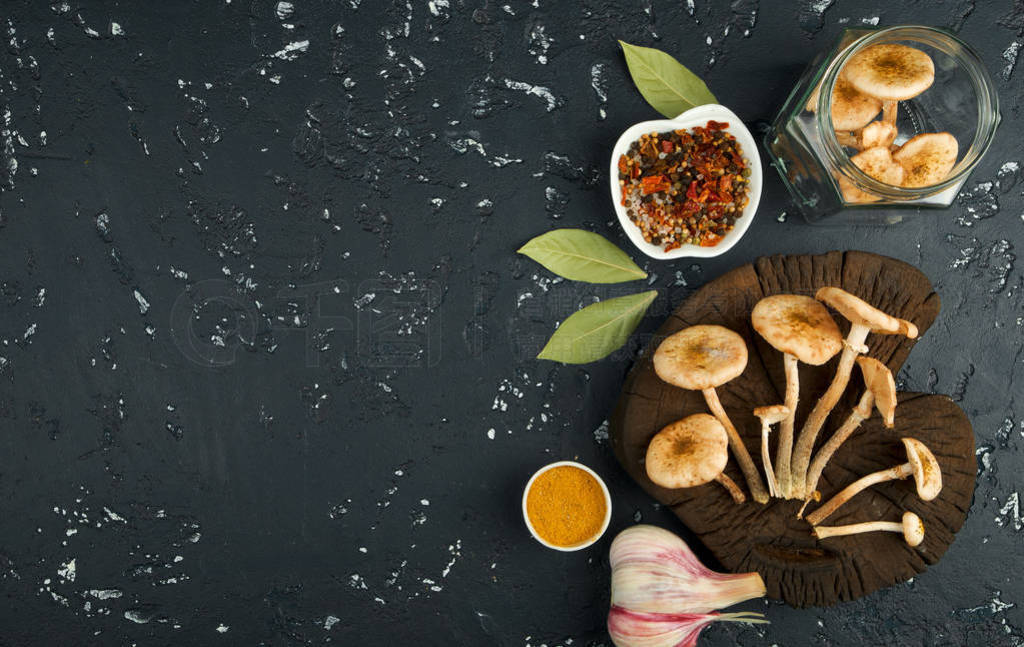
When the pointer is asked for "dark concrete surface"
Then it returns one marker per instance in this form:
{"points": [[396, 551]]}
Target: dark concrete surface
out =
{"points": [[266, 348]]}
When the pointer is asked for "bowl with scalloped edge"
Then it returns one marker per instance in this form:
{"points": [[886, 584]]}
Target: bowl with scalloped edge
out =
{"points": [[698, 116]]}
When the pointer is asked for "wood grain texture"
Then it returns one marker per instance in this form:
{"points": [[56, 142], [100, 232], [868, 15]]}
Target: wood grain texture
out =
{"points": [[796, 567]]}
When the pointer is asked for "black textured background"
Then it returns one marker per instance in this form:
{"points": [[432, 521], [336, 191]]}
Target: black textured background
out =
{"points": [[213, 434]]}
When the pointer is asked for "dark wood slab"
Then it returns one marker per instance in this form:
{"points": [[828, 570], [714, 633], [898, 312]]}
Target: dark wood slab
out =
{"points": [[796, 567]]}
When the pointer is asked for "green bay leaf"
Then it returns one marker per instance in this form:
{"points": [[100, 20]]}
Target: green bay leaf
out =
{"points": [[582, 255], [595, 331], [665, 83]]}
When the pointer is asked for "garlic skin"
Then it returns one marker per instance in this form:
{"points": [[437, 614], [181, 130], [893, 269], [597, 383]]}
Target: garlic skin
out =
{"points": [[655, 572]]}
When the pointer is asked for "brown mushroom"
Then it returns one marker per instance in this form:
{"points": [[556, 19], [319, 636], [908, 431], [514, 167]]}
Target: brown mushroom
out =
{"points": [[701, 358], [911, 526], [691, 452], [927, 159], [890, 72], [877, 134], [880, 391], [878, 163], [921, 464], [803, 330], [864, 318], [851, 110], [769, 416]]}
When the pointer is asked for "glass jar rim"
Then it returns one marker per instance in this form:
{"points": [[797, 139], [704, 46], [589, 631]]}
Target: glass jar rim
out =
{"points": [[985, 94]]}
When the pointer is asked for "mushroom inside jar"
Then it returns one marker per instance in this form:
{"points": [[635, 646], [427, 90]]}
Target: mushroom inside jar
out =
{"points": [[883, 75], [685, 187]]}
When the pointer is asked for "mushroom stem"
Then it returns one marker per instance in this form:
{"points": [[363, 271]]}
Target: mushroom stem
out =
{"points": [[766, 459], [892, 474], [784, 452], [846, 138], [852, 346], [738, 448], [821, 532], [859, 414], [889, 110], [730, 485]]}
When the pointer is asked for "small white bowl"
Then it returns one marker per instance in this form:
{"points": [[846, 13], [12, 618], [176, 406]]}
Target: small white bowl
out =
{"points": [[607, 506], [698, 116]]}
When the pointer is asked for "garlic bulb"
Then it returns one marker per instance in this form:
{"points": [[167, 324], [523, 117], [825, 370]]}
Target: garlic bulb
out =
{"points": [[637, 629], [662, 594], [654, 571]]}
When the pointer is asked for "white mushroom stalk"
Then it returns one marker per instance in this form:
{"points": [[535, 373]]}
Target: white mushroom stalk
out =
{"points": [[864, 319], [803, 331], [880, 392], [784, 450], [700, 358], [769, 416], [921, 464], [911, 527]]}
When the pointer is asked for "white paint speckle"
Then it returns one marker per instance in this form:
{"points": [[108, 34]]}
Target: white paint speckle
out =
{"points": [[143, 303], [68, 570], [291, 51], [535, 90], [113, 516], [284, 10], [1010, 56], [438, 7]]}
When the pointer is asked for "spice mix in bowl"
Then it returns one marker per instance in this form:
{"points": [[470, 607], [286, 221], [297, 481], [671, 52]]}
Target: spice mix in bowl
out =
{"points": [[566, 506], [687, 186]]}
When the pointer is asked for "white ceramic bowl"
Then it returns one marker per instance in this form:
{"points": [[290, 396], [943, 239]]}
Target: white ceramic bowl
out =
{"points": [[607, 506], [698, 116]]}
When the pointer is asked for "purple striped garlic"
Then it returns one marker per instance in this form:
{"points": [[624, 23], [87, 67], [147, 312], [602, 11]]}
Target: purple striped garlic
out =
{"points": [[636, 628], [662, 594]]}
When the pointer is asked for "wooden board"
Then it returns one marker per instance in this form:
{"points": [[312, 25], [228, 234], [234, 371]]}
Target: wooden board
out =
{"points": [[796, 567]]}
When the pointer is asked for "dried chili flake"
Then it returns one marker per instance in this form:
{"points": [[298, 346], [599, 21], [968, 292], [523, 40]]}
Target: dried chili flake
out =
{"points": [[654, 183], [685, 187]]}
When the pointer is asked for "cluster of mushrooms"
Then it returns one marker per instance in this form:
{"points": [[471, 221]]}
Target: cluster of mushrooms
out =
{"points": [[694, 451], [875, 80]]}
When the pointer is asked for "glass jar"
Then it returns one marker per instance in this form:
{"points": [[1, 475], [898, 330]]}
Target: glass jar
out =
{"points": [[816, 167]]}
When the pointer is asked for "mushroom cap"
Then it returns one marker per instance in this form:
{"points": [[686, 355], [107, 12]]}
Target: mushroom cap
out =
{"points": [[877, 134], [858, 311], [700, 357], [890, 71], [772, 413], [852, 110], [913, 529], [688, 452], [927, 474], [879, 380], [879, 164], [927, 158], [798, 325]]}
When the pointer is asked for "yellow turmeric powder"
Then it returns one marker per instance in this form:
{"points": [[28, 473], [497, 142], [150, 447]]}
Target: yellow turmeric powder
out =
{"points": [[566, 506]]}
